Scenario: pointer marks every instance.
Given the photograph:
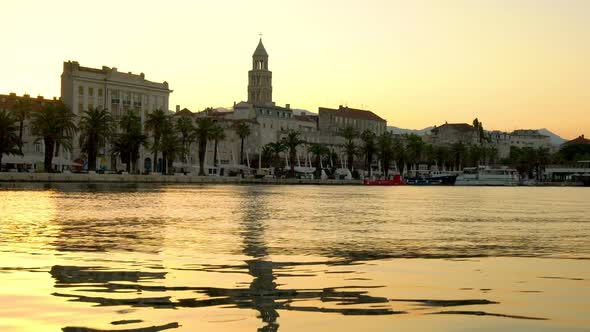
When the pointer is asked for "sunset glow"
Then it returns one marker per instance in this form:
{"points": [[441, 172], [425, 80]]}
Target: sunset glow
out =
{"points": [[512, 64]]}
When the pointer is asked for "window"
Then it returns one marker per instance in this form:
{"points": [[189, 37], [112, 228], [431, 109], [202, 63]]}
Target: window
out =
{"points": [[100, 92], [115, 96], [81, 90], [80, 107], [91, 91]]}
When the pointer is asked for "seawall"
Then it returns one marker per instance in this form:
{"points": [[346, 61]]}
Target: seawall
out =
{"points": [[128, 178]]}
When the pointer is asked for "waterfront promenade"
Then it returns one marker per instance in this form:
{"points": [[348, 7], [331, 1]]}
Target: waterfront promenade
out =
{"points": [[157, 178]]}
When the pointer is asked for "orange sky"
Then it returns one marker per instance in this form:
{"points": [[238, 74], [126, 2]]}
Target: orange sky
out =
{"points": [[512, 64]]}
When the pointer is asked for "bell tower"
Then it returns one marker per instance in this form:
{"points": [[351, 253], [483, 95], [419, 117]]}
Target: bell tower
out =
{"points": [[260, 78]]}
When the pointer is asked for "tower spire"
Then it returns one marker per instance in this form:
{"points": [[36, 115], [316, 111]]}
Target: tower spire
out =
{"points": [[260, 78]]}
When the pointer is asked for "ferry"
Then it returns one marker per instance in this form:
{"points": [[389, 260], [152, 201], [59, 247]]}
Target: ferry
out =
{"points": [[486, 176]]}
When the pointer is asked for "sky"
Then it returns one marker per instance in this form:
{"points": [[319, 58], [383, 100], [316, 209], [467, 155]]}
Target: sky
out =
{"points": [[511, 63]]}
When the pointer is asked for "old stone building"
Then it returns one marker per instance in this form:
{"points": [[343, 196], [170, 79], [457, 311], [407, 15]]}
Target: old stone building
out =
{"points": [[83, 88], [260, 78], [33, 148], [333, 121], [529, 138], [452, 133]]}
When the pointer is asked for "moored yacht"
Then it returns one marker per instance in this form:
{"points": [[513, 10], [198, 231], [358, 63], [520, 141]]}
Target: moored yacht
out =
{"points": [[487, 176], [432, 176]]}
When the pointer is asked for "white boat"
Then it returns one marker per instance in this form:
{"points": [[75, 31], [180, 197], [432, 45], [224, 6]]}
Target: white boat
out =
{"points": [[486, 176]]}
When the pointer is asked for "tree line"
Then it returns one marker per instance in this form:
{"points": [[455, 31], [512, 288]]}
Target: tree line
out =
{"points": [[55, 126], [171, 137]]}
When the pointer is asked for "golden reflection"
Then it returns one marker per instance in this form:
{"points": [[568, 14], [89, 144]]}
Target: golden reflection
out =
{"points": [[28, 218]]}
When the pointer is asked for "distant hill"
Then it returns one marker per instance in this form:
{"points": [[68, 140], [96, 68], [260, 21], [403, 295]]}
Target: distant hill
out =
{"points": [[553, 138], [399, 131]]}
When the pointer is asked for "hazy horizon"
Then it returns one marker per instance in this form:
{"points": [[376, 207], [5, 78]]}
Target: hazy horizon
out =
{"points": [[511, 64]]}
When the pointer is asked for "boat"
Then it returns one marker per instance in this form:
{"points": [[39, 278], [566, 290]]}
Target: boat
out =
{"points": [[487, 176], [396, 181], [421, 181], [429, 177]]}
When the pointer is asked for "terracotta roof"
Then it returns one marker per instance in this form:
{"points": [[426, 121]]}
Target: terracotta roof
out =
{"points": [[304, 118], [9, 101], [578, 140], [457, 126], [185, 111], [352, 113]]}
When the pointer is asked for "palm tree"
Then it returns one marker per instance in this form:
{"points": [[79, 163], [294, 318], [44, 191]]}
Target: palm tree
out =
{"points": [[96, 126], [155, 123], [369, 147], [126, 145], [23, 108], [243, 131], [277, 148], [55, 125], [458, 152], [318, 150], [203, 132], [267, 154], [414, 147], [349, 133], [217, 134], [9, 141], [171, 146], [292, 141], [185, 127], [386, 151]]}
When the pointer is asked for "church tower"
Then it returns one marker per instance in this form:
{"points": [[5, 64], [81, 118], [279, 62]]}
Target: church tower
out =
{"points": [[260, 78]]}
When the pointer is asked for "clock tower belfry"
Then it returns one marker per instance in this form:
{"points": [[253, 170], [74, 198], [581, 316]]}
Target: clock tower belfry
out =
{"points": [[260, 78]]}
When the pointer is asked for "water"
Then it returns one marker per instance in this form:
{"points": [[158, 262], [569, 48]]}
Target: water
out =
{"points": [[83, 257]]}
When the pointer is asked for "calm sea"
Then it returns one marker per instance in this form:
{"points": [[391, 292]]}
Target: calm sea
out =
{"points": [[84, 257]]}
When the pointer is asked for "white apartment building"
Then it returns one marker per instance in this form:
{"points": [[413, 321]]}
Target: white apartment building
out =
{"points": [[529, 138], [84, 87]]}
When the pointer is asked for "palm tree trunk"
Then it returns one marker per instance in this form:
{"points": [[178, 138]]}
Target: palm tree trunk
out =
{"points": [[49, 144], [369, 161], [215, 154], [164, 162], [0, 162], [292, 161], [318, 169], [242, 151], [128, 166], [156, 139], [202, 151], [92, 157], [20, 138]]}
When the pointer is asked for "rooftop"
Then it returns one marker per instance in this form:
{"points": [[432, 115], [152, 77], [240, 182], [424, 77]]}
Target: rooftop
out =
{"points": [[465, 127], [353, 113], [528, 132], [260, 50], [578, 140]]}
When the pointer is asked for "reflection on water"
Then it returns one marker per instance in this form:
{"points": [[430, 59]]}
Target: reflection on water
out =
{"points": [[287, 252]]}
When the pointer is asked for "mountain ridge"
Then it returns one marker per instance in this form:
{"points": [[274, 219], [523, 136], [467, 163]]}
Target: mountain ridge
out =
{"points": [[553, 137]]}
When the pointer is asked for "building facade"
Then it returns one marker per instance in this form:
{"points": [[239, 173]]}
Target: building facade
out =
{"points": [[453, 133], [332, 121], [83, 88], [33, 147], [529, 138]]}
